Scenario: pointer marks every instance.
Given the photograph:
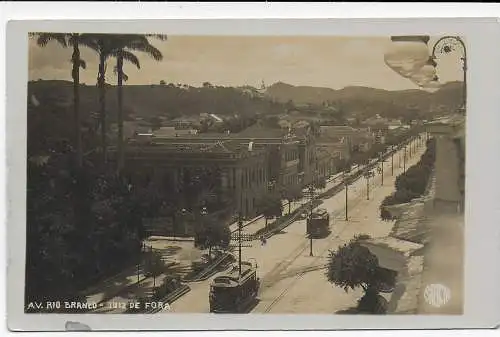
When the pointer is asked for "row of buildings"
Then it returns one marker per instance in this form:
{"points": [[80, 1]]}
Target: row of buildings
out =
{"points": [[227, 173]]}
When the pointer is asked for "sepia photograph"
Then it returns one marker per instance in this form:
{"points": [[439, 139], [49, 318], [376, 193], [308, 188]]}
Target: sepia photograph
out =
{"points": [[245, 174]]}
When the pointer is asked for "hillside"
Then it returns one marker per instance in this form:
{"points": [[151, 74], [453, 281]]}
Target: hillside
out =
{"points": [[172, 101], [157, 100], [367, 101]]}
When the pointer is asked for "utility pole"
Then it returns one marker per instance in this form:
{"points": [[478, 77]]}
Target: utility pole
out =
{"points": [[368, 175], [139, 270]]}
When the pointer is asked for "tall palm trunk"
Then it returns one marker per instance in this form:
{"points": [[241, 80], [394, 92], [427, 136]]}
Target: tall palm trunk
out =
{"points": [[76, 103], [119, 67], [79, 201], [101, 81]]}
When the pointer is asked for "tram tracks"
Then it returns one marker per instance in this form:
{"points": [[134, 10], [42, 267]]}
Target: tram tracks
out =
{"points": [[277, 276], [273, 276]]}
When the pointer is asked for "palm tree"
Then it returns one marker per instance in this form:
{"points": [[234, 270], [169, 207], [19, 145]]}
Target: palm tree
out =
{"points": [[102, 49], [121, 47], [125, 45], [74, 40]]}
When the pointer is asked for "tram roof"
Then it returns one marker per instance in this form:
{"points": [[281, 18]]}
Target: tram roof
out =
{"points": [[232, 278], [320, 211]]}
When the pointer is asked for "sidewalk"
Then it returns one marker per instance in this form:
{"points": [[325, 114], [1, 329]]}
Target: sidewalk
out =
{"points": [[118, 303], [112, 286], [259, 222]]}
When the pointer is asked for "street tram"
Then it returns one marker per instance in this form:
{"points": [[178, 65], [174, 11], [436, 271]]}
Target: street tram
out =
{"points": [[318, 223], [232, 293]]}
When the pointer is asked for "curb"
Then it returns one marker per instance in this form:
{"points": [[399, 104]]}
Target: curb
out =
{"points": [[207, 272]]}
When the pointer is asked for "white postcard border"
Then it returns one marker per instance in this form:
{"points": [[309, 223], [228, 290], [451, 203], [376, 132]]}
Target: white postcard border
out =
{"points": [[482, 162]]}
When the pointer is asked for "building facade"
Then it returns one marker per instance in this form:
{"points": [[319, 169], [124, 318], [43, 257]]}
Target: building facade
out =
{"points": [[221, 177]]}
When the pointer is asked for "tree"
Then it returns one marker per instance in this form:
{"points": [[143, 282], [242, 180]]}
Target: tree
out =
{"points": [[291, 193], [213, 235], [271, 206], [320, 183], [162, 82], [122, 47], [353, 266], [154, 265], [119, 46], [74, 40], [155, 122]]}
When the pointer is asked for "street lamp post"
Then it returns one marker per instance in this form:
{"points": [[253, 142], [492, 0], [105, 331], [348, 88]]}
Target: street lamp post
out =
{"points": [[446, 45], [443, 45]]}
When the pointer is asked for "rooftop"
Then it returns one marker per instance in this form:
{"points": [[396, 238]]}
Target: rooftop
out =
{"points": [[174, 146], [231, 277]]}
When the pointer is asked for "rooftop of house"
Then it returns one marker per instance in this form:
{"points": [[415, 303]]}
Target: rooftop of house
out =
{"points": [[221, 147]]}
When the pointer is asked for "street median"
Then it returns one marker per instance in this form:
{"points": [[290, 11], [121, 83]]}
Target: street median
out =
{"points": [[211, 269]]}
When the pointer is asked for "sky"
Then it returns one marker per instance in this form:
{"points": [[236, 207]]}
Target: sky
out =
{"points": [[334, 62]]}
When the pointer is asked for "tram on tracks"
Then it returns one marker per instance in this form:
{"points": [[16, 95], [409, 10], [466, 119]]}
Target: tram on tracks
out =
{"points": [[234, 291], [318, 223]]}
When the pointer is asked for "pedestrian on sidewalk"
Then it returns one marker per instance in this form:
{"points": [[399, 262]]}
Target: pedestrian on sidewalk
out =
{"points": [[263, 240]]}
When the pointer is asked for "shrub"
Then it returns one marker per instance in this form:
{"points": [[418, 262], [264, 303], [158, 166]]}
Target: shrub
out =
{"points": [[412, 183]]}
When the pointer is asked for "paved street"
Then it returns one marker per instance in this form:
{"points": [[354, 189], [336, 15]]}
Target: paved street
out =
{"points": [[289, 250], [279, 261], [310, 292]]}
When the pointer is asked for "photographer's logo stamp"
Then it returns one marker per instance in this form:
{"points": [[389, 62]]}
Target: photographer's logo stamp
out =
{"points": [[437, 295]]}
